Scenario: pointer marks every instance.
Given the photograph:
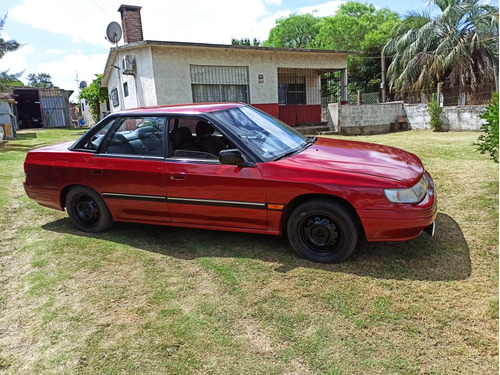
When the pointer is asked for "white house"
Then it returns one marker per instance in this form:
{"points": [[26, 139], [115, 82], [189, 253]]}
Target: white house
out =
{"points": [[283, 82]]}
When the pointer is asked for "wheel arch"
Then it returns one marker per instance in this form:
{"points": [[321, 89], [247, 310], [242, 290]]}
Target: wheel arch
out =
{"points": [[295, 202], [65, 191]]}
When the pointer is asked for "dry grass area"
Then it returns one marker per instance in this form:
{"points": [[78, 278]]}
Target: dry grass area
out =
{"points": [[159, 300]]}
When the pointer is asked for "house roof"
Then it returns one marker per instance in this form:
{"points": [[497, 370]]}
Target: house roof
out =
{"points": [[192, 108], [228, 46], [146, 43]]}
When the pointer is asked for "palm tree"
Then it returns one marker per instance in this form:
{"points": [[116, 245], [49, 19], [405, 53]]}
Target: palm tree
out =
{"points": [[458, 47], [7, 46]]}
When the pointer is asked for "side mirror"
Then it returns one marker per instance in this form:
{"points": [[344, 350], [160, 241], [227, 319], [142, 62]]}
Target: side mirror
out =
{"points": [[232, 157]]}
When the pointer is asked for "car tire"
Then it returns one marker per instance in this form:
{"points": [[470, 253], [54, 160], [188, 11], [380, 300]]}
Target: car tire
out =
{"points": [[322, 231], [87, 210]]}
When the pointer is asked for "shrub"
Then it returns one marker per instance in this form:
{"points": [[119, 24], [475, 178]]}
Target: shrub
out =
{"points": [[434, 110], [488, 142]]}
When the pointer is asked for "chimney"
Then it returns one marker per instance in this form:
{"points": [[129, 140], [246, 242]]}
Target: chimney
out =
{"points": [[131, 23]]}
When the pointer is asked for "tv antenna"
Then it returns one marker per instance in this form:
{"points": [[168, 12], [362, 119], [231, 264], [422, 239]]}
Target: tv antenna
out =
{"points": [[114, 33]]}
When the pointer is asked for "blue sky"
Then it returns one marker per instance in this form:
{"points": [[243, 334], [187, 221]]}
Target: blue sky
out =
{"points": [[66, 37]]}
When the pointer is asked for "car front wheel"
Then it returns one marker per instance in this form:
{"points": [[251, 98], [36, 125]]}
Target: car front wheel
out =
{"points": [[87, 210], [322, 231]]}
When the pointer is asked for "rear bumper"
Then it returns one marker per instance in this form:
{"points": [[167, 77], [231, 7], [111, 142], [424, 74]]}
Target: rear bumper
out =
{"points": [[44, 196]]}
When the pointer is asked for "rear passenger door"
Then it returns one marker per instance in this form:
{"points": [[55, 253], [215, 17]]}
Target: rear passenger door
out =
{"points": [[127, 169]]}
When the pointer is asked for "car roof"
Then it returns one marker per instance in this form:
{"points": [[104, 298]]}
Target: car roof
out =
{"points": [[193, 108]]}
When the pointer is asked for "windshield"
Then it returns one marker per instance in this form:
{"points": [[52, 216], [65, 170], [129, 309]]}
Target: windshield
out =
{"points": [[265, 135]]}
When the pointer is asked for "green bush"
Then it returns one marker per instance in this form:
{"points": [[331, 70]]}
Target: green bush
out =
{"points": [[488, 142], [434, 110]]}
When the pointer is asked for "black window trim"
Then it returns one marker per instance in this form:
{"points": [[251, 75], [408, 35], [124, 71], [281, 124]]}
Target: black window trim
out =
{"points": [[246, 151]]}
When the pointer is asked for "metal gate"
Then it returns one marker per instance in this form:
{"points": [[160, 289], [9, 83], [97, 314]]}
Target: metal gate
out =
{"points": [[54, 106], [304, 94]]}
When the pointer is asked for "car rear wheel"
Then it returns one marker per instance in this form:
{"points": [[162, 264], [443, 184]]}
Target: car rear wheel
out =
{"points": [[87, 210], [322, 231]]}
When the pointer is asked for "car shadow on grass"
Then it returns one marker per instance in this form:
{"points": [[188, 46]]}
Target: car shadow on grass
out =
{"points": [[445, 257]]}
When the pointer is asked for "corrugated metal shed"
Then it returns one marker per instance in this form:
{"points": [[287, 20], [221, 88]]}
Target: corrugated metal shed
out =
{"points": [[54, 105]]}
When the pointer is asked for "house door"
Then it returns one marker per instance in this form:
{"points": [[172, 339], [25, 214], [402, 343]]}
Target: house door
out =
{"points": [[299, 96]]}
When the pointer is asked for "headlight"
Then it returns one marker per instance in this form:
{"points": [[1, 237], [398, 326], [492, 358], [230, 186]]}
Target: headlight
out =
{"points": [[412, 195]]}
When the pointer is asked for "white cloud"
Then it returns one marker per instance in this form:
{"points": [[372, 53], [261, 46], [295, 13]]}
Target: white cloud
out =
{"points": [[261, 29], [54, 51], [63, 71], [63, 17], [190, 21], [322, 10], [202, 21], [198, 21], [16, 61]]}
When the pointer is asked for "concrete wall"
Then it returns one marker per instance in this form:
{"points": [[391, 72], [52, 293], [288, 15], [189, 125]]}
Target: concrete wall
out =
{"points": [[369, 118], [455, 118], [377, 118]]}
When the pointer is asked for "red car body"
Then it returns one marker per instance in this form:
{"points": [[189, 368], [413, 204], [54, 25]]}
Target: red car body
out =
{"points": [[259, 196]]}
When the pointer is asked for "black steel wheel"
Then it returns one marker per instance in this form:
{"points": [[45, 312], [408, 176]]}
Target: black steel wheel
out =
{"points": [[87, 210], [322, 231]]}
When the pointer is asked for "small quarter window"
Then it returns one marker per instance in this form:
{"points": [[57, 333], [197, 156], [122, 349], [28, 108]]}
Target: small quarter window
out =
{"points": [[96, 137]]}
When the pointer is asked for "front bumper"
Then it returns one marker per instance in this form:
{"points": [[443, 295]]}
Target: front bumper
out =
{"points": [[401, 222]]}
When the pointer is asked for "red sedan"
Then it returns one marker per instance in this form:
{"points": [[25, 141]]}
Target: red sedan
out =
{"points": [[231, 167]]}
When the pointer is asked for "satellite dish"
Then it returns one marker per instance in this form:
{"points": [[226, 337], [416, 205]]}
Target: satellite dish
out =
{"points": [[83, 84], [114, 32]]}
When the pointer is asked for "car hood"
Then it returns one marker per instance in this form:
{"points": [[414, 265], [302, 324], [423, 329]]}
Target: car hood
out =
{"points": [[360, 157]]}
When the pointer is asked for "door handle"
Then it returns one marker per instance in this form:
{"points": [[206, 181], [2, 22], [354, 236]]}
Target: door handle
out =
{"points": [[177, 176], [96, 170]]}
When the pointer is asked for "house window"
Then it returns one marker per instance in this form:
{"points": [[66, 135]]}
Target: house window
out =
{"points": [[114, 97], [220, 93], [125, 89], [291, 93], [219, 83]]}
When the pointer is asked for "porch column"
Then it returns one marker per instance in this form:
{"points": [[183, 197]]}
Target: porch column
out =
{"points": [[343, 86]]}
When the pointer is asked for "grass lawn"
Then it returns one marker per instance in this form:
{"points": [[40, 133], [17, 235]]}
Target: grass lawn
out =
{"points": [[162, 300]]}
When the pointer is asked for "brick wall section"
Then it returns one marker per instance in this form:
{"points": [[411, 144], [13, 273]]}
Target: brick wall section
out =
{"points": [[131, 23]]}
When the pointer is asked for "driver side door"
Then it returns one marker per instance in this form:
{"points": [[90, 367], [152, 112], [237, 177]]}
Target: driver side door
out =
{"points": [[202, 191]]}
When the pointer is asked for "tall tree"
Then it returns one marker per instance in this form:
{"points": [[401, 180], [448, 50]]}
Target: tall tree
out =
{"points": [[457, 47], [245, 42], [295, 31], [6, 78], [42, 80], [359, 27]]}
